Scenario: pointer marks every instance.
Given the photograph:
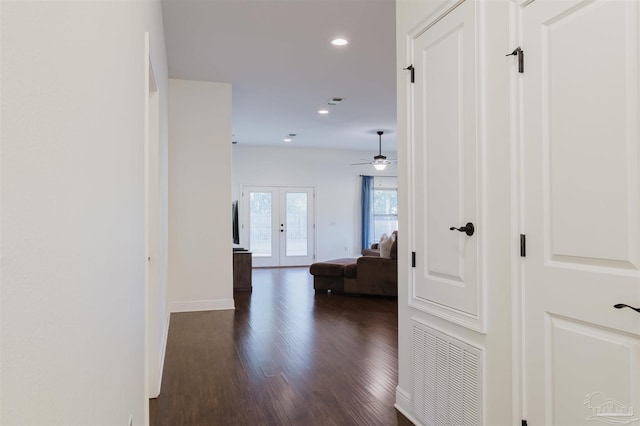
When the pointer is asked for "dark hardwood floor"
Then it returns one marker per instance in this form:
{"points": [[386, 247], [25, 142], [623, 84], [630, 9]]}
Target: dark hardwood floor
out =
{"points": [[285, 356]]}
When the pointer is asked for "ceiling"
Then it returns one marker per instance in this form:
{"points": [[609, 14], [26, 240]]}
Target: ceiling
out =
{"points": [[278, 57]]}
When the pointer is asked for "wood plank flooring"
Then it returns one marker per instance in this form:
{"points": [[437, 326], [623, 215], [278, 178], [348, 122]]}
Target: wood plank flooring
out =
{"points": [[285, 356]]}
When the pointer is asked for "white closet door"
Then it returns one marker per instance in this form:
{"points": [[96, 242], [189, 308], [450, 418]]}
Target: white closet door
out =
{"points": [[581, 208], [445, 161]]}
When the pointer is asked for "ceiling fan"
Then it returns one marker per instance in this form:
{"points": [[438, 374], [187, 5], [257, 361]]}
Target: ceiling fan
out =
{"points": [[380, 161]]}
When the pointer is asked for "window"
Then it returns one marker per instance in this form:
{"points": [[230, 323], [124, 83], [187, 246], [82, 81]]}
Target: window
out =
{"points": [[385, 212]]}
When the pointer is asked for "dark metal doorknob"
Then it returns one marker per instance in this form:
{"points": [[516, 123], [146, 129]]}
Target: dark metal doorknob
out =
{"points": [[468, 229], [622, 305]]}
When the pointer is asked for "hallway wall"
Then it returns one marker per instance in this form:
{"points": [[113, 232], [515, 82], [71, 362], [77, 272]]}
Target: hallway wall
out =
{"points": [[72, 214]]}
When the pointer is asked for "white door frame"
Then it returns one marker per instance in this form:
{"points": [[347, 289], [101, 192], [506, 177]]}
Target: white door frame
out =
{"points": [[517, 223], [153, 335]]}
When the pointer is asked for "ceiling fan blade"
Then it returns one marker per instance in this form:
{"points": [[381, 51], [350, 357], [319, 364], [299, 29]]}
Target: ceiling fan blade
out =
{"points": [[360, 164]]}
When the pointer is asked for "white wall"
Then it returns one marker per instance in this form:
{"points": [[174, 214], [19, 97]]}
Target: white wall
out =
{"points": [[200, 256], [500, 403], [72, 214], [336, 182]]}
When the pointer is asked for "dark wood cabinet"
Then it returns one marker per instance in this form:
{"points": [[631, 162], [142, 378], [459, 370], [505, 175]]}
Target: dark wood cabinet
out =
{"points": [[241, 271]]}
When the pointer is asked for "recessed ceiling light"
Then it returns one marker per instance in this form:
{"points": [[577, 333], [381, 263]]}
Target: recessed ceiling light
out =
{"points": [[323, 111], [287, 139], [339, 42]]}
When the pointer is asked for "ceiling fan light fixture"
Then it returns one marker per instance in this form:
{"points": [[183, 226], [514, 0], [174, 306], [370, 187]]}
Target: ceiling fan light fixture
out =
{"points": [[380, 166], [380, 161]]}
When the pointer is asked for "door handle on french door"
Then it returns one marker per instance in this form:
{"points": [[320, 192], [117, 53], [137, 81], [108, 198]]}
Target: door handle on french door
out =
{"points": [[622, 305], [468, 229]]}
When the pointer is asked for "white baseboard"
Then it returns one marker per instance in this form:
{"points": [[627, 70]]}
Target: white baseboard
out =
{"points": [[403, 405], [202, 305]]}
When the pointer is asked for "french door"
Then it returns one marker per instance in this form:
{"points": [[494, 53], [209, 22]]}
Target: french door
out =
{"points": [[280, 225], [580, 98]]}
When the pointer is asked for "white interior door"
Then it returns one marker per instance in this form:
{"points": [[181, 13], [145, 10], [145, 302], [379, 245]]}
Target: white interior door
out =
{"points": [[280, 225], [445, 166], [581, 211]]}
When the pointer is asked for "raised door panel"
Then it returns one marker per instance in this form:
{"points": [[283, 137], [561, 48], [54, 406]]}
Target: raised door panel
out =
{"points": [[590, 219], [607, 367]]}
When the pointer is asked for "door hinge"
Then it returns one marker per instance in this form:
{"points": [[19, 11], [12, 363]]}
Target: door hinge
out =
{"points": [[413, 259], [520, 54], [413, 75], [523, 245], [524, 423]]}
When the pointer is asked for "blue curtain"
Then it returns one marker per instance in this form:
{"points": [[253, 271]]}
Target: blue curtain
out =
{"points": [[367, 214]]}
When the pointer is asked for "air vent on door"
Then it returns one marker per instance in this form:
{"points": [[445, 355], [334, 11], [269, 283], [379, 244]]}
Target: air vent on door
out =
{"points": [[446, 375]]}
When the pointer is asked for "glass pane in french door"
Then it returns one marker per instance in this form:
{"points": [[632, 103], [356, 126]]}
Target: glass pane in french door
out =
{"points": [[260, 211], [297, 227]]}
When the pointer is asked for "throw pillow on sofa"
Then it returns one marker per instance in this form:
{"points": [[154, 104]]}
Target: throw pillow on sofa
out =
{"points": [[385, 245]]}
